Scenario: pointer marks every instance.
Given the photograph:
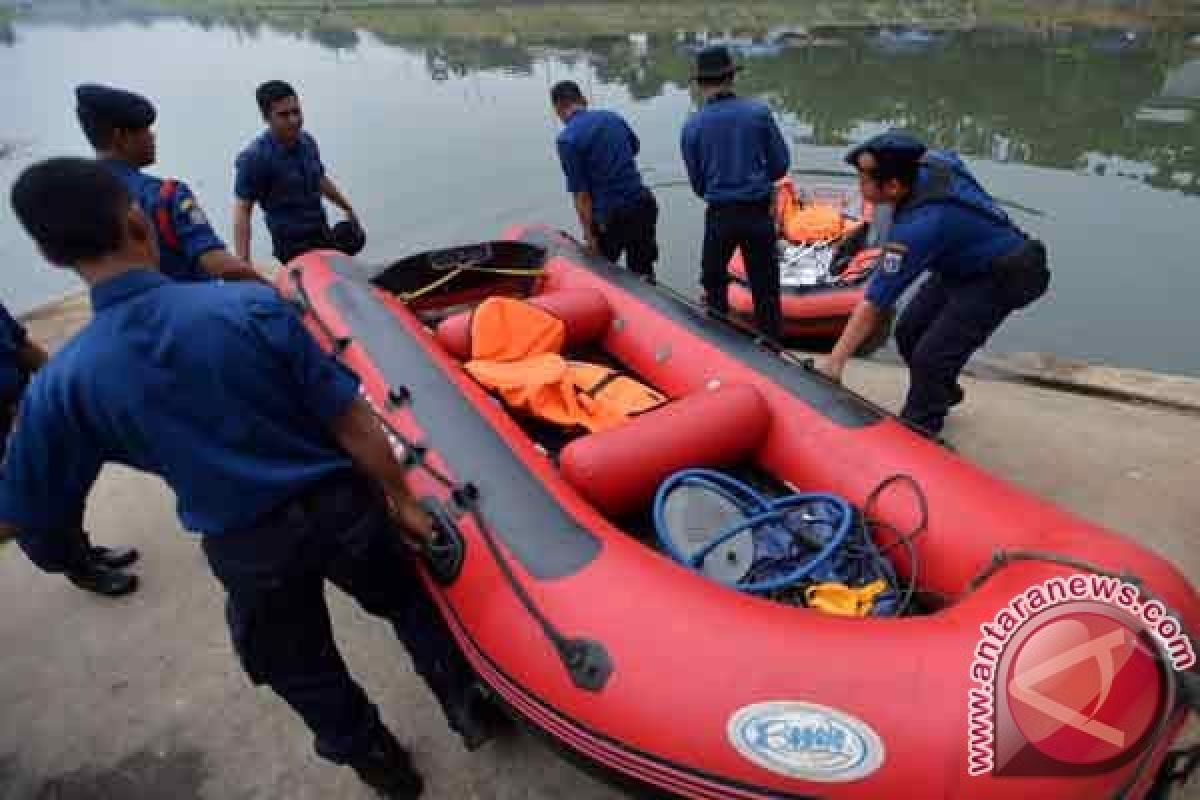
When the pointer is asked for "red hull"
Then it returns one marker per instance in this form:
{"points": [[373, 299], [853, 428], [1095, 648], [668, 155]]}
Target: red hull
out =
{"points": [[689, 655], [821, 312]]}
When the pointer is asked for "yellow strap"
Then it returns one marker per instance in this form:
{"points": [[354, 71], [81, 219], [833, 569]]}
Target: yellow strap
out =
{"points": [[406, 297]]}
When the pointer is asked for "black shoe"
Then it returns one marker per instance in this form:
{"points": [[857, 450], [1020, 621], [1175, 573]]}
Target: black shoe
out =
{"points": [[480, 721], [102, 580], [114, 557], [387, 768]]}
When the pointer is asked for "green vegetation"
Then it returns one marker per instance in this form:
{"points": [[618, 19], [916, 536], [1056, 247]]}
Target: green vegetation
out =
{"points": [[410, 19]]}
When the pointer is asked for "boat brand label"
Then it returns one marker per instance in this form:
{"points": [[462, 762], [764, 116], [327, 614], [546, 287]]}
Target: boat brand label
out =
{"points": [[806, 741]]}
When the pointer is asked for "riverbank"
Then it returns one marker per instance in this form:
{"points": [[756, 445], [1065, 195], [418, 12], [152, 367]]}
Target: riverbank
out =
{"points": [[141, 698]]}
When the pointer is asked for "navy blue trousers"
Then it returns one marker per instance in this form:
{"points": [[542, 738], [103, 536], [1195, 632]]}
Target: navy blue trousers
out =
{"points": [[750, 227], [632, 231], [937, 333], [275, 575]]}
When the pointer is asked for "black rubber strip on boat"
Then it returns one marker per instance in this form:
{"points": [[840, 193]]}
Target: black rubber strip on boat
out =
{"points": [[543, 537], [839, 406]]}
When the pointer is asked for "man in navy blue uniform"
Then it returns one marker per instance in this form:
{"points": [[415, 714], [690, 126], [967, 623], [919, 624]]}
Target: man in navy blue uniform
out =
{"points": [[92, 567], [118, 123], [734, 154], [282, 171], [982, 268], [279, 465], [598, 152]]}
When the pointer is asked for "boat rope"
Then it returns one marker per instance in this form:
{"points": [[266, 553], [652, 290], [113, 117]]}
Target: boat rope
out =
{"points": [[457, 270], [586, 660]]}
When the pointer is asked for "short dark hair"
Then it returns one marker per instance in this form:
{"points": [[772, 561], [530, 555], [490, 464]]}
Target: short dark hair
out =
{"points": [[712, 83], [73, 208], [271, 93], [565, 93], [889, 165], [99, 131]]}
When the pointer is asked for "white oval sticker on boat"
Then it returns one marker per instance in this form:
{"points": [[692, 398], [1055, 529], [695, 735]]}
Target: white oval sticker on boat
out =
{"points": [[806, 741]]}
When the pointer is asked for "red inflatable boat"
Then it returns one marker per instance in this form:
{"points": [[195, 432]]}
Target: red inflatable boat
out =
{"points": [[672, 682], [816, 303]]}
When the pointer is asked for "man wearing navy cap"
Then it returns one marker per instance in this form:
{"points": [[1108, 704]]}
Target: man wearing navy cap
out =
{"points": [[279, 466], [117, 124], [282, 171], [598, 152], [982, 268], [734, 154]]}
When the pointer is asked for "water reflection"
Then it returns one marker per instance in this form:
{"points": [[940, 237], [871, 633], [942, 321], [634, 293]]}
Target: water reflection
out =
{"points": [[1103, 102], [1123, 101], [1099, 101], [452, 135]]}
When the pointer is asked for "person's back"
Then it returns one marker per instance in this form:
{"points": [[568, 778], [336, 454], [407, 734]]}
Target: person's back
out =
{"points": [[271, 451], [975, 229], [735, 149], [608, 149], [177, 380], [734, 154], [598, 152]]}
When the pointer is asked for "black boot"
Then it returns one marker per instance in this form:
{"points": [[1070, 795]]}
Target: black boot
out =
{"points": [[104, 581], [387, 769], [114, 557]]}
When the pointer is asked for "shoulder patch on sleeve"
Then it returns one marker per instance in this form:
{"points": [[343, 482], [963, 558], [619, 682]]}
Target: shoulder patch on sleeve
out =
{"points": [[893, 257]]}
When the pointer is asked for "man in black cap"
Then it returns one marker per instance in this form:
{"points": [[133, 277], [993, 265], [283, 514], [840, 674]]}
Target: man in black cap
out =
{"points": [[982, 268], [118, 123], [282, 171], [598, 152], [734, 154]]}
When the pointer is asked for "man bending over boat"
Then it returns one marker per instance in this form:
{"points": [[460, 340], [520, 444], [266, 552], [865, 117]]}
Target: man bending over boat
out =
{"points": [[598, 151], [279, 464], [982, 268]]}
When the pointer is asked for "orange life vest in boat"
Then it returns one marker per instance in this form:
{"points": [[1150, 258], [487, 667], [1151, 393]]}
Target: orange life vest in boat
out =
{"points": [[806, 222], [515, 353]]}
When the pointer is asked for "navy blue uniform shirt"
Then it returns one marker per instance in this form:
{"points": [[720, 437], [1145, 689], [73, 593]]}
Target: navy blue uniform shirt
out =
{"points": [[217, 388], [286, 181], [597, 150], [192, 230], [12, 338], [733, 150], [957, 236]]}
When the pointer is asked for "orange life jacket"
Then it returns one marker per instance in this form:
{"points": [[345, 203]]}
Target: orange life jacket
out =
{"points": [[515, 353], [804, 223]]}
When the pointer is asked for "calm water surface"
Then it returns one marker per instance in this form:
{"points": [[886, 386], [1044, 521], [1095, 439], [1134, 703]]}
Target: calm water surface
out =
{"points": [[442, 140]]}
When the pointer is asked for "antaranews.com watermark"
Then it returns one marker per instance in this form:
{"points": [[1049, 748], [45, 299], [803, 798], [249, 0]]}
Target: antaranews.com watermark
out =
{"points": [[1083, 685]]}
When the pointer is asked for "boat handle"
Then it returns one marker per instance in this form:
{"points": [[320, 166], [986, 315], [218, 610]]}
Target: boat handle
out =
{"points": [[446, 552]]}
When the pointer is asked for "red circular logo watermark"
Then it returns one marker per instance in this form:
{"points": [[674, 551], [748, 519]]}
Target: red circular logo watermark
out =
{"points": [[1084, 688]]}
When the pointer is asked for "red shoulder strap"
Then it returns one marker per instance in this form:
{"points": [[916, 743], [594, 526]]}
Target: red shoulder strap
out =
{"points": [[162, 215]]}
